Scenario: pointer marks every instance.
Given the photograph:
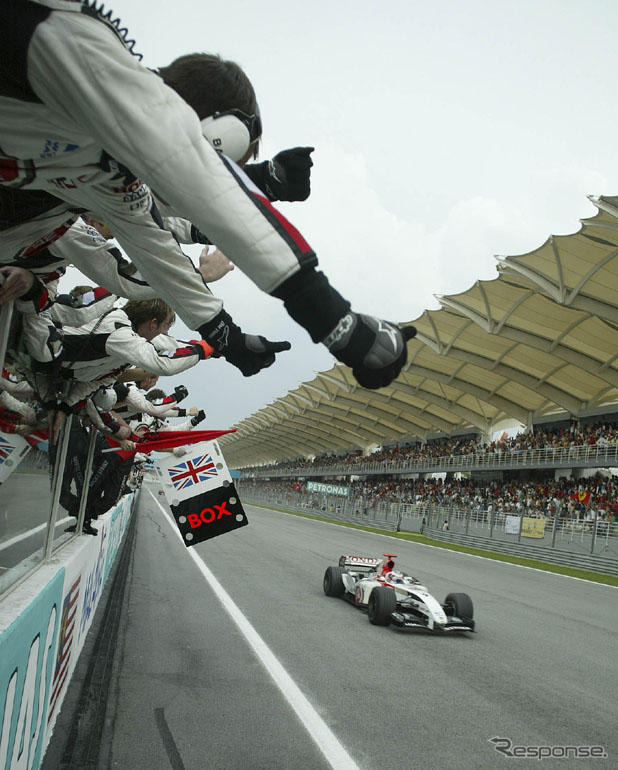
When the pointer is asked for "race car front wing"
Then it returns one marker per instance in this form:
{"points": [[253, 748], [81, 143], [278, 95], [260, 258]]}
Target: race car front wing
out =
{"points": [[402, 619]]}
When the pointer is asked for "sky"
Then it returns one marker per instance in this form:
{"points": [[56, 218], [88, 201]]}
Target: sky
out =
{"points": [[445, 133]]}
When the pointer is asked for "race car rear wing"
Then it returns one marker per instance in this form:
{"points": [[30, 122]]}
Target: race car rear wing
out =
{"points": [[359, 563]]}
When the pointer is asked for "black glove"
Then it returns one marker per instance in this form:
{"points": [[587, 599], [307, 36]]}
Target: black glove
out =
{"points": [[180, 392], [374, 349], [286, 177], [121, 389], [248, 352], [201, 415]]}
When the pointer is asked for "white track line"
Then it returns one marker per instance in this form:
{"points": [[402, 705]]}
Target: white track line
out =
{"points": [[320, 733], [31, 532]]}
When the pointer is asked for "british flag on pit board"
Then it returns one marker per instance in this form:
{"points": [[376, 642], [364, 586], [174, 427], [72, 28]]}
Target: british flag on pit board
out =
{"points": [[185, 474], [201, 469], [13, 449]]}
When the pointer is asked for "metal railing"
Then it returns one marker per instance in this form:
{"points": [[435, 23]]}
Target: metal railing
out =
{"points": [[32, 520], [6, 313], [585, 456]]}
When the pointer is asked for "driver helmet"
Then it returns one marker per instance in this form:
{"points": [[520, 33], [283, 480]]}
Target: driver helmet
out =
{"points": [[395, 576]]}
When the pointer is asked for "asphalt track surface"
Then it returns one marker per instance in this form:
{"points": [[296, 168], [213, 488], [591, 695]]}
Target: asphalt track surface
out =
{"points": [[189, 690]]}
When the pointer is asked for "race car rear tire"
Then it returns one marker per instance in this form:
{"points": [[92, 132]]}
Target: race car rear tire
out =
{"points": [[333, 582], [460, 606], [382, 603]]}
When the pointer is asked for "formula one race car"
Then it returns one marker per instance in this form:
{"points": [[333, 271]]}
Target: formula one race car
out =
{"points": [[391, 596]]}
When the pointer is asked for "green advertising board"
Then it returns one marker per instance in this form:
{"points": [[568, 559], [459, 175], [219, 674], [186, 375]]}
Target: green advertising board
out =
{"points": [[328, 489]]}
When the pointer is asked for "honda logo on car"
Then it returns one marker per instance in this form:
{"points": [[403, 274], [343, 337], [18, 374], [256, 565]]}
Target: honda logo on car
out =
{"points": [[328, 489]]}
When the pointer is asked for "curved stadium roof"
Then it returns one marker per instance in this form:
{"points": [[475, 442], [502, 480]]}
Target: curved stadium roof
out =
{"points": [[540, 339]]}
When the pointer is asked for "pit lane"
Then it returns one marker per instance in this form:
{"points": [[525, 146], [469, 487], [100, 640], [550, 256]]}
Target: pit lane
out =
{"points": [[189, 692]]}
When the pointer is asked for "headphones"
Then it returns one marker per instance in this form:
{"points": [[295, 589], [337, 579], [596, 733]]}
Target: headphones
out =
{"points": [[105, 398], [232, 132]]}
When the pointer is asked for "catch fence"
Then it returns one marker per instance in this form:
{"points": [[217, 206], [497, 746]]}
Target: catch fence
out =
{"points": [[591, 545]]}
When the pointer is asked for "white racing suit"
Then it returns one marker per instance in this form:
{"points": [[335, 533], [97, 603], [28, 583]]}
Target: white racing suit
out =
{"points": [[157, 423], [98, 259], [96, 352], [152, 423], [44, 313], [81, 120], [17, 387], [80, 112], [7, 401], [136, 404]]}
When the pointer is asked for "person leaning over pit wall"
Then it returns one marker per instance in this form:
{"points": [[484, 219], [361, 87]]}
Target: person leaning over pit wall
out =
{"points": [[193, 416], [149, 422], [43, 311], [92, 355], [131, 400], [67, 72], [157, 423]]}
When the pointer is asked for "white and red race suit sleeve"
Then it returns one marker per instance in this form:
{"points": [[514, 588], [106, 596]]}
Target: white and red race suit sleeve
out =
{"points": [[137, 402], [98, 259], [18, 388], [101, 261], [123, 346], [78, 68]]}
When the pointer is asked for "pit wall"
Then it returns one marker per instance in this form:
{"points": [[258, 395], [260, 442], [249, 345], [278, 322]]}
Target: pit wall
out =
{"points": [[43, 627]]}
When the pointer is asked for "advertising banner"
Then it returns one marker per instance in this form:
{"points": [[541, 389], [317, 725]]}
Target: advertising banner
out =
{"points": [[328, 489], [40, 646], [26, 667]]}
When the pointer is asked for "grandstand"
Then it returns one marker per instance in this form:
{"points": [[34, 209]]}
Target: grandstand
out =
{"points": [[533, 351], [539, 343]]}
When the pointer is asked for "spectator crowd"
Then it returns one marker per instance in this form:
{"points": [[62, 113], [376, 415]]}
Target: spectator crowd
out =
{"points": [[599, 433], [591, 498], [583, 498]]}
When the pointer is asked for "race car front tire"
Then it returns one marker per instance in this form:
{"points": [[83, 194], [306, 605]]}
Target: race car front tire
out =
{"points": [[333, 582], [461, 606], [382, 603]]}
